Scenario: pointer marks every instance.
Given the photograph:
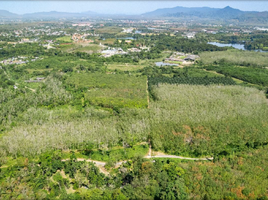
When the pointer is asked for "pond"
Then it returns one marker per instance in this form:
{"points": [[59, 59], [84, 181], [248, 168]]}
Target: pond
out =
{"points": [[126, 38], [237, 46], [159, 64]]}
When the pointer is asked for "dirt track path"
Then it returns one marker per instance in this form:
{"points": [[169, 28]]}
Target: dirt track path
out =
{"points": [[179, 157], [101, 164], [33, 90]]}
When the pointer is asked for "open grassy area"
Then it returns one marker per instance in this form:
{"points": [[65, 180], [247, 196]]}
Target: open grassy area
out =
{"points": [[82, 47], [112, 90], [124, 67], [32, 85], [90, 48], [175, 62], [108, 41], [65, 39], [67, 47]]}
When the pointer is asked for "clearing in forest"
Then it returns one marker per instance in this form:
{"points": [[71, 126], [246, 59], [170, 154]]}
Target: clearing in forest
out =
{"points": [[111, 90], [65, 39]]}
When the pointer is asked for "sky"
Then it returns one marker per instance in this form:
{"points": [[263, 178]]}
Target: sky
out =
{"points": [[123, 6]]}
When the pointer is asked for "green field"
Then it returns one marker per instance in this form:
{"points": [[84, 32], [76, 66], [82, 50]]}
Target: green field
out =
{"points": [[108, 41], [87, 48], [111, 90], [66, 39], [175, 62], [124, 66]]}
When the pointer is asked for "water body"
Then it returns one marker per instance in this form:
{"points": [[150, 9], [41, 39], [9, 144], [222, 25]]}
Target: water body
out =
{"points": [[126, 38], [237, 46], [159, 64]]}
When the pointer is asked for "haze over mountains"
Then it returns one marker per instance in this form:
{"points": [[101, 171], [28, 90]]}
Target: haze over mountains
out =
{"points": [[226, 13], [44, 15]]}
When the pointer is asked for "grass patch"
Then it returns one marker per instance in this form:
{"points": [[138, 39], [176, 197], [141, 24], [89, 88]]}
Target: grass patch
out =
{"points": [[175, 62], [108, 41], [32, 85], [87, 48], [111, 90], [90, 48], [65, 39], [124, 67]]}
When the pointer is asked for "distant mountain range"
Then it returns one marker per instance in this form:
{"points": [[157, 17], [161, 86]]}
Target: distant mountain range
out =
{"points": [[204, 12], [7, 14], [46, 15], [226, 13], [55, 14]]}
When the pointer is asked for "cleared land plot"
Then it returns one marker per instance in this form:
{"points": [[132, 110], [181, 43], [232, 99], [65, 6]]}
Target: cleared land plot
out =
{"points": [[90, 48], [109, 29], [81, 47], [108, 41], [65, 39], [112, 90], [124, 67]]}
